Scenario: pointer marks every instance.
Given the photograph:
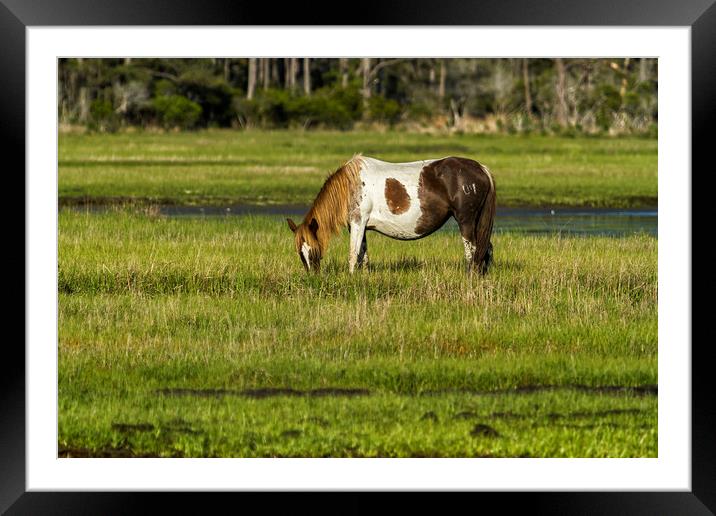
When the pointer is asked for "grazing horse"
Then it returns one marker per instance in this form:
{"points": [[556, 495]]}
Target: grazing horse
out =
{"points": [[405, 201]]}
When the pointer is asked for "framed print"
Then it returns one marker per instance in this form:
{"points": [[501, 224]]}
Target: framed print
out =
{"points": [[189, 328]]}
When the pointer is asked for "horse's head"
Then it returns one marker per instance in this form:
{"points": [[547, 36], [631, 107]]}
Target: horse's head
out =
{"points": [[307, 244]]}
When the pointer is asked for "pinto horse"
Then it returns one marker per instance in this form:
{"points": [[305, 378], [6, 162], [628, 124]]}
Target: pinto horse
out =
{"points": [[405, 201]]}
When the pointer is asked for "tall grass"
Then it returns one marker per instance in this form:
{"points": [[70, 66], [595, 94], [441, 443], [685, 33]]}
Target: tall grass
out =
{"points": [[231, 290]]}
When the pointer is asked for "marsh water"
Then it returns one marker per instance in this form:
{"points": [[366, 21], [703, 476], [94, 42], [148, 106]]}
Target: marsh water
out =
{"points": [[567, 221]]}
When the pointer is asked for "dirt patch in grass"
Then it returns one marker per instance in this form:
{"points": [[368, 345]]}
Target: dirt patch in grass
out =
{"points": [[596, 413], [176, 425], [181, 427], [556, 415], [111, 452], [510, 415], [638, 390], [553, 416], [316, 420], [127, 428], [642, 390], [429, 416], [481, 430], [265, 392]]}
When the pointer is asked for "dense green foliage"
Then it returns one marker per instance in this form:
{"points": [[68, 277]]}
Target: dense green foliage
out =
{"points": [[165, 323], [562, 96], [225, 166], [177, 111]]}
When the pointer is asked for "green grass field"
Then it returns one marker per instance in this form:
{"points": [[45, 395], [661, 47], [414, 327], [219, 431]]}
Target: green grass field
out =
{"points": [[223, 166], [204, 337]]}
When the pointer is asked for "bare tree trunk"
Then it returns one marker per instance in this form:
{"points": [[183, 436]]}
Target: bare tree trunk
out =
{"points": [[457, 112], [365, 68], [252, 79], [286, 73], [307, 76], [260, 71], [120, 93], [84, 104], [623, 88], [266, 63], [227, 69], [643, 70], [502, 84], [293, 74], [72, 93], [366, 91], [274, 72], [83, 93], [443, 74], [343, 63], [61, 93], [561, 93], [526, 81]]}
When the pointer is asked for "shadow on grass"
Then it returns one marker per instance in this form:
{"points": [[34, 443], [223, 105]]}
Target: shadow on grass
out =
{"points": [[110, 452], [402, 264], [266, 392], [509, 265], [551, 416], [269, 392], [637, 390]]}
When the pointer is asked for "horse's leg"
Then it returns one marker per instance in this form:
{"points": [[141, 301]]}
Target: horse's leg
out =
{"points": [[363, 252], [487, 260], [357, 238], [467, 231], [469, 254], [469, 225]]}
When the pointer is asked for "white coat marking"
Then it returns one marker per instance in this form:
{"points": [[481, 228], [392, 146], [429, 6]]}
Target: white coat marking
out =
{"points": [[373, 207], [469, 189], [469, 249], [489, 176], [305, 251]]}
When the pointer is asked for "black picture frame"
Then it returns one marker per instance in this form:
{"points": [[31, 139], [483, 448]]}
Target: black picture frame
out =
{"points": [[700, 15]]}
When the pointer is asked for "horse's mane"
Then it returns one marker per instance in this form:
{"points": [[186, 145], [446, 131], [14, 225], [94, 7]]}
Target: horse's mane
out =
{"points": [[333, 202]]}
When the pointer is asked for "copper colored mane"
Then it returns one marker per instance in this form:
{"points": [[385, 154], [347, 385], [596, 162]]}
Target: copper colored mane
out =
{"points": [[333, 203]]}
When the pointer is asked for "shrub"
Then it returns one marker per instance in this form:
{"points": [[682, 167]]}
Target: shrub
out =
{"points": [[102, 116], [267, 108], [384, 110], [609, 102], [329, 108], [336, 108], [214, 98], [177, 111]]}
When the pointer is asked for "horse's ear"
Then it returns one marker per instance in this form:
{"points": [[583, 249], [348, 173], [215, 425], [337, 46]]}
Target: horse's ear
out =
{"points": [[313, 226], [291, 224]]}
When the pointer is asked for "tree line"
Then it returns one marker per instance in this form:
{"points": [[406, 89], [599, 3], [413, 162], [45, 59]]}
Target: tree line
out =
{"points": [[558, 95]]}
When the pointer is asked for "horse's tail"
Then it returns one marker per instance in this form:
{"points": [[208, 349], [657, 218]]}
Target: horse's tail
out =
{"points": [[483, 228]]}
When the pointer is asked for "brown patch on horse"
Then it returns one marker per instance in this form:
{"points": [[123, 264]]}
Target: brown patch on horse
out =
{"points": [[462, 188], [432, 195], [396, 196]]}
